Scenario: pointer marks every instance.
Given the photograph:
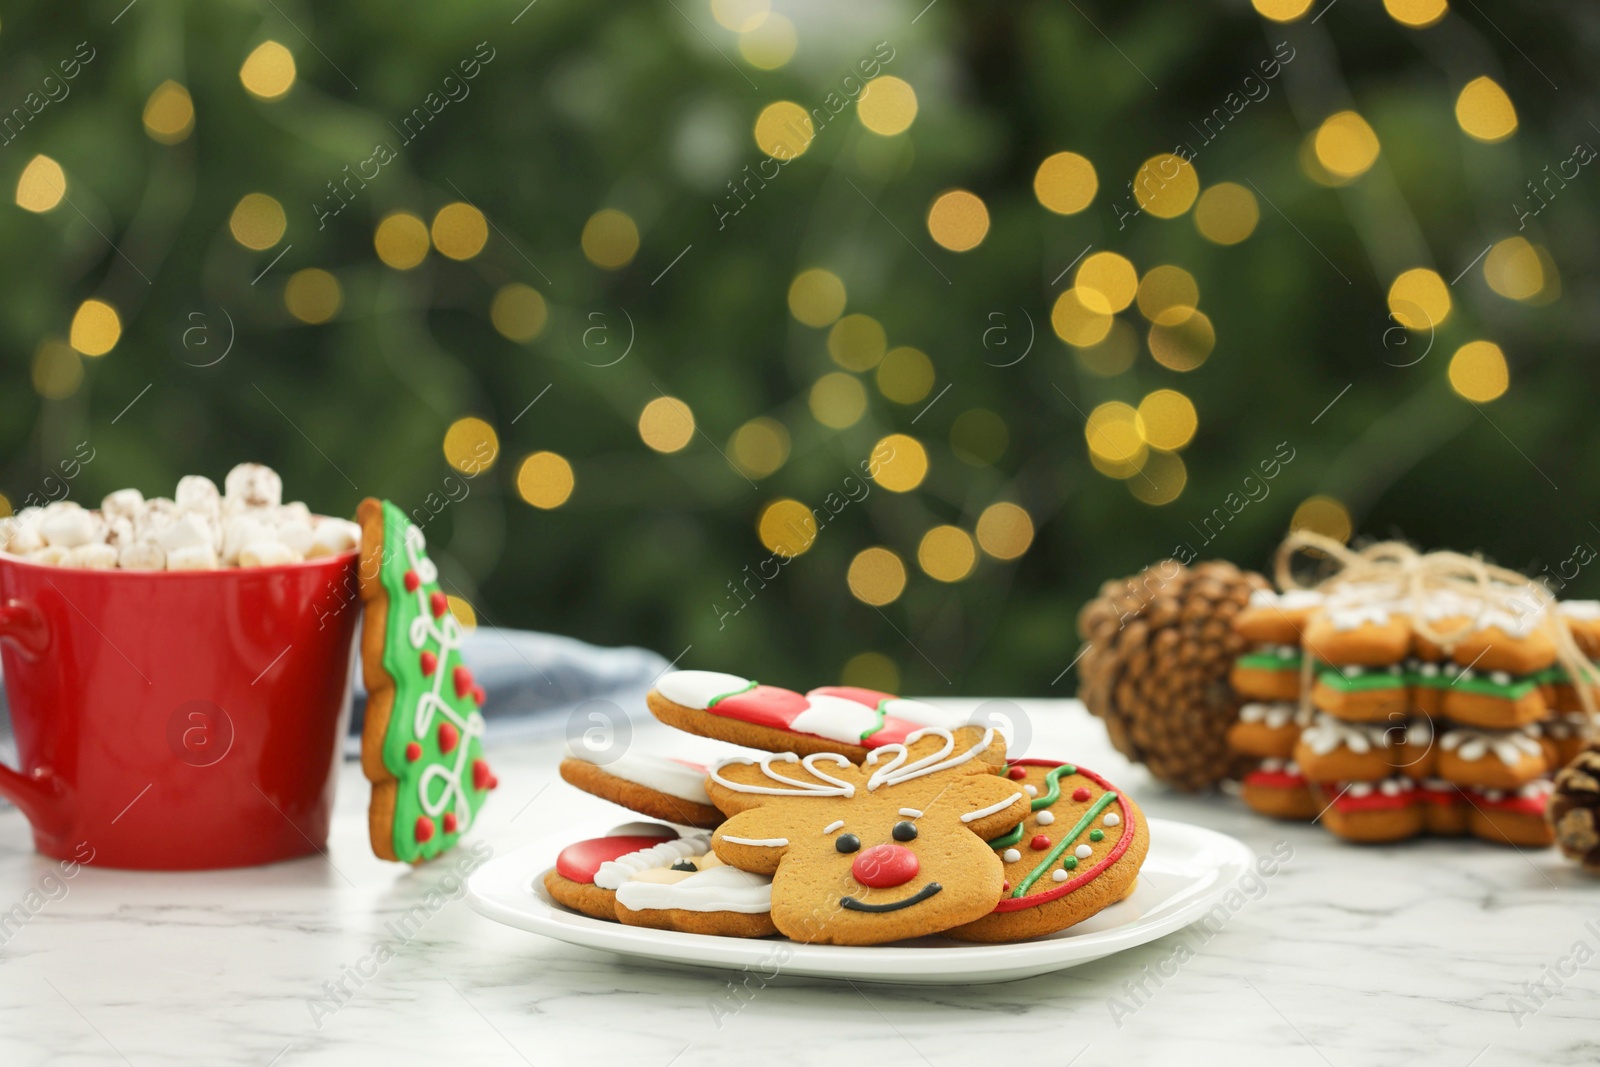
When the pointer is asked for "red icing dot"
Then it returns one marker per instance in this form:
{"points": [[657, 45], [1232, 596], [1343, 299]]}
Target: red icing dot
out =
{"points": [[1017, 774], [424, 828], [478, 695], [449, 822], [449, 736], [439, 604], [1039, 843], [429, 663], [1005, 887], [480, 774], [413, 582], [1080, 794], [413, 752], [494, 783], [885, 866], [463, 681]]}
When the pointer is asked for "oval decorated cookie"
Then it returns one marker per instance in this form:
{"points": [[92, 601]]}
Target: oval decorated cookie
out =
{"points": [[1078, 850]]}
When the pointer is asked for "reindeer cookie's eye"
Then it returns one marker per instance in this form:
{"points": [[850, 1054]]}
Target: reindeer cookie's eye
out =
{"points": [[905, 831], [847, 843]]}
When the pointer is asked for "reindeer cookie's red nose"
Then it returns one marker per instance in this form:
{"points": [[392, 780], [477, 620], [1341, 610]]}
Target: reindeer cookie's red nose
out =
{"points": [[885, 866]]}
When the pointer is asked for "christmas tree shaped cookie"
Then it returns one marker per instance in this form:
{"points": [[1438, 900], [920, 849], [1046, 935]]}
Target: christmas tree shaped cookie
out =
{"points": [[422, 743]]}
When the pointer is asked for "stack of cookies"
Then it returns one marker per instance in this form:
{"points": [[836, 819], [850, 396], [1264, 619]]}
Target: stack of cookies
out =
{"points": [[863, 818], [1395, 704]]}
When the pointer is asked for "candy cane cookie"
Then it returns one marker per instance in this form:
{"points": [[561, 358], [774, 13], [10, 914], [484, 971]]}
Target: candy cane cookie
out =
{"points": [[663, 788], [1076, 851], [846, 720]]}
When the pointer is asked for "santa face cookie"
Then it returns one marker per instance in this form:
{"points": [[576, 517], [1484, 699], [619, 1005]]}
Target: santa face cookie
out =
{"points": [[576, 879], [1267, 731], [1277, 618], [1490, 759], [698, 894], [1078, 850], [1371, 812], [421, 743], [1268, 674], [894, 848], [1278, 790], [662, 788], [845, 720], [1511, 817]]}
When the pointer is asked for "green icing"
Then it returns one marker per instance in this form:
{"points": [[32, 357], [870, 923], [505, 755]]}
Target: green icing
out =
{"points": [[714, 701], [402, 662], [1105, 801], [1052, 782], [1484, 687], [1370, 681], [878, 725], [1266, 661], [1548, 676], [1007, 840], [1365, 682]]}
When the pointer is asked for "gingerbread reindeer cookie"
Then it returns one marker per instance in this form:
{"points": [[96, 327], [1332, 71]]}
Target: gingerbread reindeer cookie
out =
{"points": [[894, 848]]}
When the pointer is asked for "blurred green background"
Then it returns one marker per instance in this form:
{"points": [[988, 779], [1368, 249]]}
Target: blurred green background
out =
{"points": [[691, 272]]}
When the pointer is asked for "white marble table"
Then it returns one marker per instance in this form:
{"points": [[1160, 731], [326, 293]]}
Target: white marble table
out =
{"points": [[1412, 954]]}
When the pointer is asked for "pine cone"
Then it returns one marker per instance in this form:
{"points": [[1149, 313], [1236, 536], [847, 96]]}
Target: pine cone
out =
{"points": [[1574, 809], [1155, 667]]}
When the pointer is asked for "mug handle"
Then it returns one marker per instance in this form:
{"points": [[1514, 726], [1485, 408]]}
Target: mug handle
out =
{"points": [[38, 794]]}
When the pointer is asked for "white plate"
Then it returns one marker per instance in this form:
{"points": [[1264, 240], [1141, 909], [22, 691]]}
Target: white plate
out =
{"points": [[1187, 869]]}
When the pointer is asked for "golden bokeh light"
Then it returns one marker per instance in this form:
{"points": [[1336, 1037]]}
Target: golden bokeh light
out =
{"points": [[871, 670], [96, 328], [770, 44], [1076, 323], [816, 297], [946, 554], [1168, 295], [760, 446], [257, 221], [545, 480], [838, 400], [459, 231], [463, 610], [1323, 515], [1112, 355], [1345, 145], [905, 375], [1281, 10], [518, 312], [958, 220], [1161, 479], [1114, 432], [1169, 419], [268, 72], [1065, 183], [1005, 530], [666, 424], [1478, 372], [877, 576], [902, 462], [783, 130], [57, 372], [401, 240], [1418, 14], [1484, 111], [1513, 269], [169, 113], [857, 342], [1106, 282], [312, 295], [787, 527], [979, 437], [41, 185], [1183, 345], [610, 239], [1419, 299], [470, 445], [1227, 213], [1166, 185], [1122, 469], [740, 16], [887, 106]]}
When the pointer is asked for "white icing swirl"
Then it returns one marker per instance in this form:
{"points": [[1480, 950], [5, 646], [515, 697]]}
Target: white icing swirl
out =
{"points": [[613, 873], [716, 889]]}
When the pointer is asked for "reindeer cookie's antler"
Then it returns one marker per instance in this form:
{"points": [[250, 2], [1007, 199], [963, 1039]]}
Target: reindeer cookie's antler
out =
{"points": [[825, 786], [897, 770]]}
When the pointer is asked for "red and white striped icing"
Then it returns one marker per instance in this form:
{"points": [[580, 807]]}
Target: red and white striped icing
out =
{"points": [[843, 713]]}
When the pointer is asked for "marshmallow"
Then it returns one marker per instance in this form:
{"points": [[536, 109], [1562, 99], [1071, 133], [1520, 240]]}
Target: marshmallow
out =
{"points": [[196, 492], [91, 557], [243, 530], [186, 531], [25, 535], [67, 527], [297, 535], [295, 511], [119, 531], [254, 485], [192, 558], [334, 536], [124, 502], [267, 554], [142, 556], [52, 555]]}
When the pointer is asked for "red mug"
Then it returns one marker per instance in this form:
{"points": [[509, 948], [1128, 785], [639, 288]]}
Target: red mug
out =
{"points": [[177, 720]]}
